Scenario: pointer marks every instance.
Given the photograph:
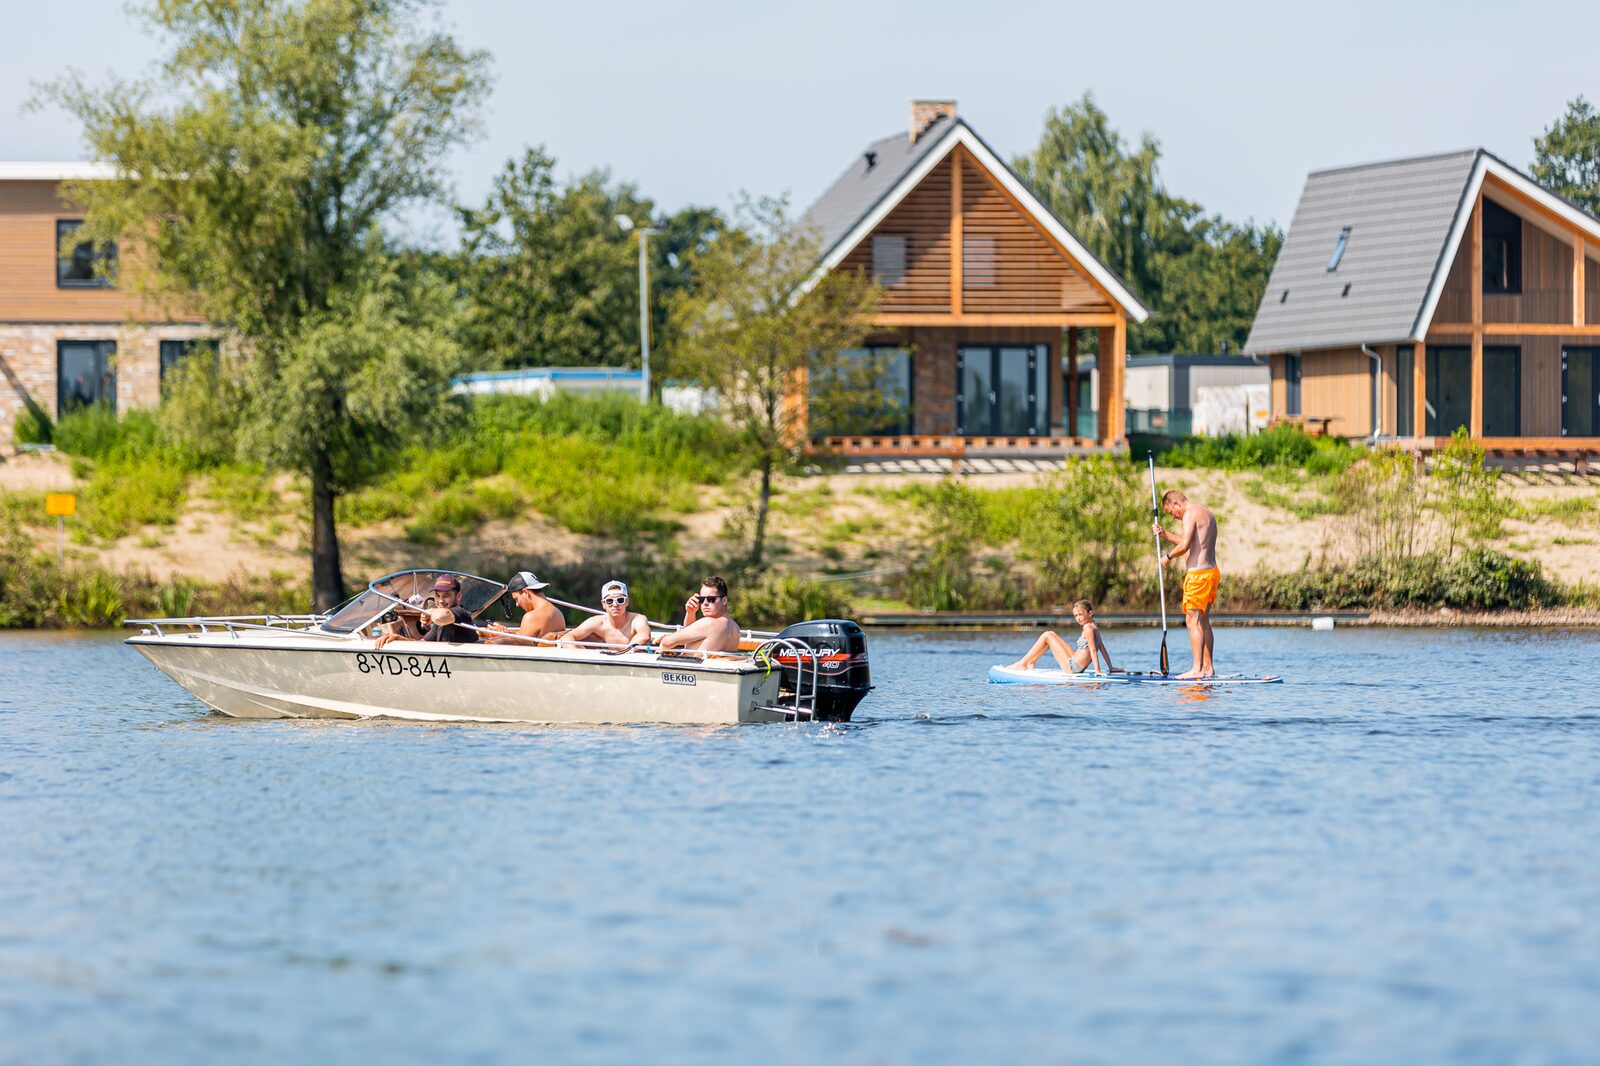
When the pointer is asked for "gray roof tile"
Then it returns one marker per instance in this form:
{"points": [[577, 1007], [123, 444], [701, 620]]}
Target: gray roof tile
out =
{"points": [[1400, 214], [859, 188]]}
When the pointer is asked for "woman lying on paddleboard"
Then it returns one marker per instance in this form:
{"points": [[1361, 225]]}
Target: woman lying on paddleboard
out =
{"points": [[1090, 650]]}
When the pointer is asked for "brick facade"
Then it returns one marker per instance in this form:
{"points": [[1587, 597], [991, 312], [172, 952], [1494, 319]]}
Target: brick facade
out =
{"points": [[933, 368], [28, 362]]}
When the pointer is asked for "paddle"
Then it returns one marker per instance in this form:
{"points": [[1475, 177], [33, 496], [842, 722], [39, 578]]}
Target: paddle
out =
{"points": [[1161, 581]]}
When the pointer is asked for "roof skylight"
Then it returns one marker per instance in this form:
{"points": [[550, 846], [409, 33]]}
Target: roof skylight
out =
{"points": [[1338, 250]]}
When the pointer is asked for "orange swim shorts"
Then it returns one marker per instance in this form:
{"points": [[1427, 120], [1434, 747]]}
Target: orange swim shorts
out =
{"points": [[1200, 589]]}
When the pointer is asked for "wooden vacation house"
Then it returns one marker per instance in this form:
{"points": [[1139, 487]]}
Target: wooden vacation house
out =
{"points": [[986, 294], [1421, 295], [70, 336]]}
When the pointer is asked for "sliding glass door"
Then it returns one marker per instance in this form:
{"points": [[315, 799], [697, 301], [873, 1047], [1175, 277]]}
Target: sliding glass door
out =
{"points": [[1502, 392], [1580, 392], [1002, 391], [1448, 402]]}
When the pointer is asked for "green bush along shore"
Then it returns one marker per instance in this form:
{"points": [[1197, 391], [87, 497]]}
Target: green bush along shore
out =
{"points": [[609, 467]]}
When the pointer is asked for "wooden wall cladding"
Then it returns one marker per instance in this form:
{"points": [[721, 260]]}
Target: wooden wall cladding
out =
{"points": [[1029, 273], [1337, 384], [923, 218]]}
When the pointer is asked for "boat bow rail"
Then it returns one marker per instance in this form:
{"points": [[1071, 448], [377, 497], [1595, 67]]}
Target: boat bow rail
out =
{"points": [[233, 624]]}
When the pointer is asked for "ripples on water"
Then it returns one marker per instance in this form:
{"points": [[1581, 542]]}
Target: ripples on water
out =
{"points": [[1393, 857]]}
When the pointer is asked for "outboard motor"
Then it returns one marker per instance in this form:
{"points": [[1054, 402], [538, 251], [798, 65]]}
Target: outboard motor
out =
{"points": [[843, 678]]}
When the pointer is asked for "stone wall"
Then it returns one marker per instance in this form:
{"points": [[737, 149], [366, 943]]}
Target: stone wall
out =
{"points": [[28, 362]]}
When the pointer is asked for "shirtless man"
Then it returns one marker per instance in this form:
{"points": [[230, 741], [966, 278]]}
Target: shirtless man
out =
{"points": [[542, 621], [714, 631], [618, 627], [1198, 540]]}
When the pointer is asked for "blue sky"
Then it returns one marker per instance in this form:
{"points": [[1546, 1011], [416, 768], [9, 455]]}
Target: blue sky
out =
{"points": [[695, 101]]}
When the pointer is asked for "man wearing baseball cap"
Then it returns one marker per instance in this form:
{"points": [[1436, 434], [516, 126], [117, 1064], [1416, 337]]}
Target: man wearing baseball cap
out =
{"points": [[448, 621], [541, 619], [617, 627]]}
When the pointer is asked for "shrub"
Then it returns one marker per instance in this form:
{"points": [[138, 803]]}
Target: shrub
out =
{"points": [[92, 432], [1280, 446], [93, 598], [121, 497], [780, 599], [201, 407], [32, 425], [1088, 530]]}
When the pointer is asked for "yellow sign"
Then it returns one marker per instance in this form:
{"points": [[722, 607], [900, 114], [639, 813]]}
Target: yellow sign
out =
{"points": [[60, 504]]}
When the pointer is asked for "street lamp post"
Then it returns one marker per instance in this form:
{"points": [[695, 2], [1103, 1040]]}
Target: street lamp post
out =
{"points": [[645, 232]]}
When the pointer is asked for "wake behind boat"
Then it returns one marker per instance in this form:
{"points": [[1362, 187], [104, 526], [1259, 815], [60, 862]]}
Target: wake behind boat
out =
{"points": [[1006, 675], [326, 666]]}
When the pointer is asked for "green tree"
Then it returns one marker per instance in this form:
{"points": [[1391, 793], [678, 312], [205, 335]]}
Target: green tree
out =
{"points": [[257, 167], [1567, 156], [751, 332], [1202, 275], [551, 278]]}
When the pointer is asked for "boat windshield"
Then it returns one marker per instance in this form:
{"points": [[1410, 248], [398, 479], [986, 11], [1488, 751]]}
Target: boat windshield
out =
{"points": [[477, 593]]}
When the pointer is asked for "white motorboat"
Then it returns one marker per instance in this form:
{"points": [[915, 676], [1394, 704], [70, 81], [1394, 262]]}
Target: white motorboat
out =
{"points": [[327, 666]]}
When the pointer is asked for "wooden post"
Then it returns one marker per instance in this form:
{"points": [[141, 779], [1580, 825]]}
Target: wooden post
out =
{"points": [[1072, 381], [1102, 389], [1419, 389], [1475, 421], [957, 234], [1119, 359], [1579, 312]]}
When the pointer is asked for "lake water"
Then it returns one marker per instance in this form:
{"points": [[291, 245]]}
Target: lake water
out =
{"points": [[1393, 857]]}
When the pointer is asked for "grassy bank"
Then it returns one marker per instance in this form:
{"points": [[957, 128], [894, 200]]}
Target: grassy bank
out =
{"points": [[588, 489]]}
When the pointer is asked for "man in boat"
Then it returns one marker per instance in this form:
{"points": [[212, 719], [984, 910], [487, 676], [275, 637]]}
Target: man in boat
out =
{"points": [[1197, 540], [448, 621], [714, 630], [618, 627], [542, 620]]}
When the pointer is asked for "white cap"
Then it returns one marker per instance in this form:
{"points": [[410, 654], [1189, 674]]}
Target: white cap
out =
{"points": [[613, 588]]}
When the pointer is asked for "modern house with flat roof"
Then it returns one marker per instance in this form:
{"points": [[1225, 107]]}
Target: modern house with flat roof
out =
{"points": [[986, 293], [1418, 296], [70, 336]]}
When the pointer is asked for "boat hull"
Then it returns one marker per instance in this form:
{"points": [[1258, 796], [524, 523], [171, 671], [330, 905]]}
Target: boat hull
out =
{"points": [[302, 678]]}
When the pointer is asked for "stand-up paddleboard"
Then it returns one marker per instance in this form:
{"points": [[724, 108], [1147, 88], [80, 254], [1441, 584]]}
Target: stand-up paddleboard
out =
{"points": [[1005, 675]]}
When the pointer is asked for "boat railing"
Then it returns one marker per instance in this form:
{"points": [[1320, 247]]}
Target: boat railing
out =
{"points": [[234, 624]]}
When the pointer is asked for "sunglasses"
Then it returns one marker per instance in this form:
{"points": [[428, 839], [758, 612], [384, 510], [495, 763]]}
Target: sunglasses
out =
{"points": [[614, 601], [709, 599]]}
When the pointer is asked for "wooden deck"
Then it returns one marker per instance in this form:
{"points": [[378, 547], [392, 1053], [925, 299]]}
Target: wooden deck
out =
{"points": [[953, 446], [1577, 450]]}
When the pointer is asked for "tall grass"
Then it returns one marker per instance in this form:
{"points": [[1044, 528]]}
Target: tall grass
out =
{"points": [[594, 465]]}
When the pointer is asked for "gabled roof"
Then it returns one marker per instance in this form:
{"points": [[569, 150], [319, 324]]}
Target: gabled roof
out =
{"points": [[1406, 219], [865, 194]]}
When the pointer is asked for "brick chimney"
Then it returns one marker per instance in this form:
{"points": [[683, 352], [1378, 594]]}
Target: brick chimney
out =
{"points": [[925, 112]]}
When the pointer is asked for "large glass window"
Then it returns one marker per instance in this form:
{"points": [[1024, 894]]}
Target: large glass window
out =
{"points": [[1502, 249], [1502, 392], [1404, 391], [1580, 392], [81, 265], [175, 352], [888, 260], [86, 374], [1448, 403], [867, 393], [1291, 384]]}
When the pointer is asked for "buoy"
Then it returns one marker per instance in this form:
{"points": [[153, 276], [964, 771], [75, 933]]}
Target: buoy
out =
{"points": [[1322, 625]]}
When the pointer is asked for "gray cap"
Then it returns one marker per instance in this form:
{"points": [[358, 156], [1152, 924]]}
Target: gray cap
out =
{"points": [[522, 579]]}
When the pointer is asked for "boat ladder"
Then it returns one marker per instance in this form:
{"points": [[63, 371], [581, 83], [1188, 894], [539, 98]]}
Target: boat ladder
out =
{"points": [[803, 705]]}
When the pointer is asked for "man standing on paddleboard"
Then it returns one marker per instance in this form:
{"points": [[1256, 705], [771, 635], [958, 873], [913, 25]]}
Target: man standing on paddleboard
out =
{"points": [[1198, 541]]}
